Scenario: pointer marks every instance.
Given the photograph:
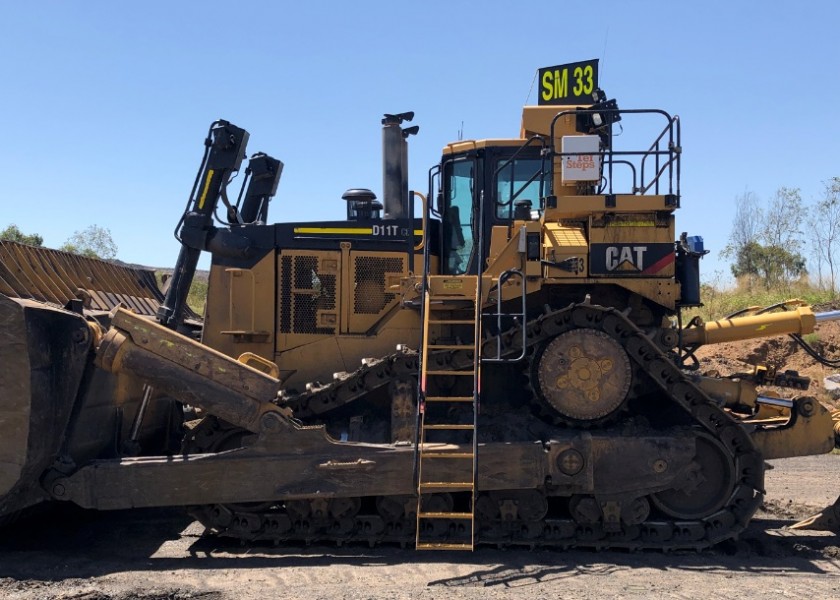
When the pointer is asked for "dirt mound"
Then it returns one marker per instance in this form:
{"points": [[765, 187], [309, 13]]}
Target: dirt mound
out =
{"points": [[788, 510], [783, 354]]}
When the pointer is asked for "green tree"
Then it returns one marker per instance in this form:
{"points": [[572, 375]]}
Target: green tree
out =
{"points": [[766, 245], [744, 235], [93, 242], [778, 267], [14, 234]]}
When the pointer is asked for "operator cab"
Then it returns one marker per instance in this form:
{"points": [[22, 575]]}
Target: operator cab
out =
{"points": [[502, 178]]}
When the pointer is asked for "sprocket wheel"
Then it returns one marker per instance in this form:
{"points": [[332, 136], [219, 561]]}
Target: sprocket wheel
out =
{"points": [[582, 376]]}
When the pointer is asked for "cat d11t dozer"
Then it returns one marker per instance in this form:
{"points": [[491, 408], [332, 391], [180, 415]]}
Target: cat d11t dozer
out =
{"points": [[509, 367]]}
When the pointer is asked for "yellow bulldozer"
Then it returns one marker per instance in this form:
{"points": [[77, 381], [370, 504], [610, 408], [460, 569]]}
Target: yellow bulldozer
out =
{"points": [[501, 360]]}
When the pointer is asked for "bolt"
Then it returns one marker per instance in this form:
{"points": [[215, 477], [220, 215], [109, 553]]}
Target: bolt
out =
{"points": [[660, 466], [806, 407], [570, 462], [270, 422], [58, 490]]}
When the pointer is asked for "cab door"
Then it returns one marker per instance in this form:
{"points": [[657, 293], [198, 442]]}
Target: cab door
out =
{"points": [[459, 215]]}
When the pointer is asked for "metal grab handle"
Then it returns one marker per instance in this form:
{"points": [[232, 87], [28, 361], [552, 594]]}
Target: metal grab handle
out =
{"points": [[422, 243], [503, 278]]}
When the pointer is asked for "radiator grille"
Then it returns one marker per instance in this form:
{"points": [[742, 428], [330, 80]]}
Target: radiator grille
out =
{"points": [[303, 292], [286, 294], [371, 296]]}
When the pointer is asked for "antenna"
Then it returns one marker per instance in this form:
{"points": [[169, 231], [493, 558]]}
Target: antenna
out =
{"points": [[461, 132], [533, 81]]}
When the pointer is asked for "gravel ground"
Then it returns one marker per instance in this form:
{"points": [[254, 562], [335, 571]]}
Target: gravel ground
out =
{"points": [[160, 554]]}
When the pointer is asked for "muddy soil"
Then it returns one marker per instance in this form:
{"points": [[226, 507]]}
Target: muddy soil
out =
{"points": [[161, 554]]}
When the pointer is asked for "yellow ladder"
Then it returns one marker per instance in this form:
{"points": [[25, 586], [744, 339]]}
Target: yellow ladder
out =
{"points": [[446, 463]]}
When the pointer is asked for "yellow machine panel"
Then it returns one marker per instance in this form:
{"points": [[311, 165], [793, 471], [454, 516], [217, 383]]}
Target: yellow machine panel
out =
{"points": [[640, 244], [565, 251], [237, 318]]}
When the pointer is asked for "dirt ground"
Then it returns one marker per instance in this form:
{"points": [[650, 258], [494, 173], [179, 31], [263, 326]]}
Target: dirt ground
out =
{"points": [[161, 554]]}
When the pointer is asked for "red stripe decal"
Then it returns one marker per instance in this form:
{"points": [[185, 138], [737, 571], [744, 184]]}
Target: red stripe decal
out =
{"points": [[660, 264]]}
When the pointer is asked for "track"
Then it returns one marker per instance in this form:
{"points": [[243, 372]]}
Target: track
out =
{"points": [[693, 517]]}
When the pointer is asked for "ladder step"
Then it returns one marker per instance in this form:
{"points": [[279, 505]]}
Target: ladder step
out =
{"points": [[430, 454], [450, 346], [445, 515], [451, 322], [435, 302], [449, 398], [442, 546], [448, 427], [446, 485], [470, 372]]}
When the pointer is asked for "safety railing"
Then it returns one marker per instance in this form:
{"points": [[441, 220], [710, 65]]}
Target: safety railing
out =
{"points": [[656, 168]]}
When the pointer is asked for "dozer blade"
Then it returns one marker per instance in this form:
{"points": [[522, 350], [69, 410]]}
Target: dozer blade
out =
{"points": [[43, 354], [58, 278], [56, 409], [14, 407], [828, 519]]}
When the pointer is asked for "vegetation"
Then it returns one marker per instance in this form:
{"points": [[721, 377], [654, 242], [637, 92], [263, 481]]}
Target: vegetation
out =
{"points": [[768, 244], [720, 301], [825, 230], [197, 298], [14, 234], [93, 242]]}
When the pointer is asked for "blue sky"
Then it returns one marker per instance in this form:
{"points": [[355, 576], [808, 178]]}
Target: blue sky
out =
{"points": [[106, 104]]}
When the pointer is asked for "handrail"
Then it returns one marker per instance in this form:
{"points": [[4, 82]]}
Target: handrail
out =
{"points": [[477, 333], [671, 164], [514, 156], [540, 173], [422, 243], [499, 315], [412, 247], [674, 151]]}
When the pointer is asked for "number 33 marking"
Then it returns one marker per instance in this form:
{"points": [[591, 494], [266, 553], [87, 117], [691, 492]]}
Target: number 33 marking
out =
{"points": [[583, 80]]}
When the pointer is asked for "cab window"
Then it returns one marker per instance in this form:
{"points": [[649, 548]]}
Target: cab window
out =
{"points": [[458, 216], [517, 180]]}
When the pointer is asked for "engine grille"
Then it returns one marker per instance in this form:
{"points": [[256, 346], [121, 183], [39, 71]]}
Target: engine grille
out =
{"points": [[370, 296], [304, 291]]}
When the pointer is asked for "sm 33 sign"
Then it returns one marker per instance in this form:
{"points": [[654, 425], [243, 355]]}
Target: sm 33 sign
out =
{"points": [[630, 259]]}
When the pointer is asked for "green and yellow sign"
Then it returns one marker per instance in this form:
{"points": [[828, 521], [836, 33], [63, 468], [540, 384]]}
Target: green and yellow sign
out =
{"points": [[569, 84]]}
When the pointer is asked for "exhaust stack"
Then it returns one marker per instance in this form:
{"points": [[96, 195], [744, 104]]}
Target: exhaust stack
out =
{"points": [[395, 164]]}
